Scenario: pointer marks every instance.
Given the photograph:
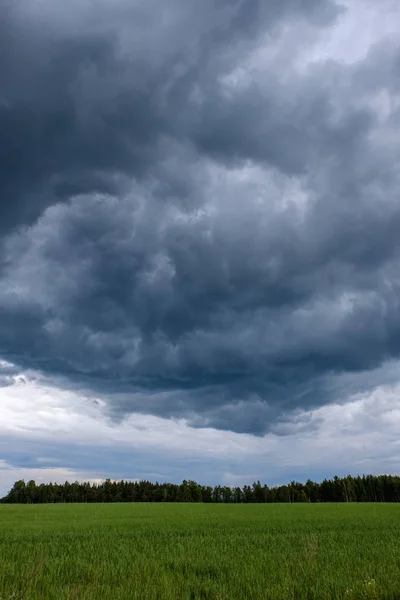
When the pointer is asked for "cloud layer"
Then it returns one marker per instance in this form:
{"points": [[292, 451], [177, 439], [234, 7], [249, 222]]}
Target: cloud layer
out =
{"points": [[200, 206], [55, 435]]}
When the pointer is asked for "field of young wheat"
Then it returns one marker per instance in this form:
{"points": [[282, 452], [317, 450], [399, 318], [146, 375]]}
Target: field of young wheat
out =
{"points": [[196, 551]]}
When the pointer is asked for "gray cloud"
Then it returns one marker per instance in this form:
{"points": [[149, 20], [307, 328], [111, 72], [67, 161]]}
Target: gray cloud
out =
{"points": [[87, 98], [8, 373], [187, 237]]}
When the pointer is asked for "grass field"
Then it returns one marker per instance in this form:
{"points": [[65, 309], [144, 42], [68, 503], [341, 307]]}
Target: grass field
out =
{"points": [[195, 551]]}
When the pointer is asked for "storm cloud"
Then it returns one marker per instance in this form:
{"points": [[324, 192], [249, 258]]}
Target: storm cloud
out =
{"points": [[197, 219]]}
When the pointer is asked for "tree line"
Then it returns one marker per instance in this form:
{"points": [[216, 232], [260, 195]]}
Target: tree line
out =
{"points": [[365, 488]]}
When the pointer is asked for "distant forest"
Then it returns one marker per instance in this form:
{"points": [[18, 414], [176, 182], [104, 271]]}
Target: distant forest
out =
{"points": [[366, 488]]}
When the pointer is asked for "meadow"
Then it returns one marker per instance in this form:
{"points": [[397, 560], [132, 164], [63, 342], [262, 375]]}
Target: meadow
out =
{"points": [[199, 551]]}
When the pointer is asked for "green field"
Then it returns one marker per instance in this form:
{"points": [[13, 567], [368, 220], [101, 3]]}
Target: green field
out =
{"points": [[199, 551]]}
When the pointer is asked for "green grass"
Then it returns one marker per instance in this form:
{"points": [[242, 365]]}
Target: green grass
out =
{"points": [[194, 551]]}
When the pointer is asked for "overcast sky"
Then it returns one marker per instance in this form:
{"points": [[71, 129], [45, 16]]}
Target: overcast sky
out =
{"points": [[199, 239]]}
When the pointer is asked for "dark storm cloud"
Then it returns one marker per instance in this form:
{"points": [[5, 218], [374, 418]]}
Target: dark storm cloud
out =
{"points": [[221, 250], [53, 144], [87, 96]]}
